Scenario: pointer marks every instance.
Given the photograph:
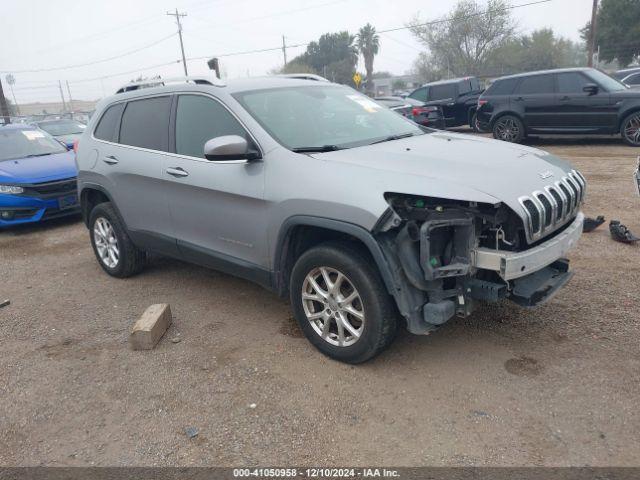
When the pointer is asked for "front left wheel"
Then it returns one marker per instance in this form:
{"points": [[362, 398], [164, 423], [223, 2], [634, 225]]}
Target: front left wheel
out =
{"points": [[341, 303]]}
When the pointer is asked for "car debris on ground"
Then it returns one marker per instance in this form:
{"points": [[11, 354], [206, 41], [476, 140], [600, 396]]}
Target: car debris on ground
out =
{"points": [[590, 224], [620, 232]]}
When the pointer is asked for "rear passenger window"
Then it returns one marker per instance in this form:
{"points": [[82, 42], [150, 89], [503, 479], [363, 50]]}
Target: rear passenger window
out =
{"points": [[537, 84], [440, 92], [571, 82], [199, 119], [145, 123], [106, 128], [633, 80], [502, 87], [420, 94]]}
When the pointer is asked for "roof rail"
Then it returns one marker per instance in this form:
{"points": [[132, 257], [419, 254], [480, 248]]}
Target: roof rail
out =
{"points": [[160, 82], [303, 76]]}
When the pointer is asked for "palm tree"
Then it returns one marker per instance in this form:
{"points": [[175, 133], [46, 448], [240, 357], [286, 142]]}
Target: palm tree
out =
{"points": [[368, 46]]}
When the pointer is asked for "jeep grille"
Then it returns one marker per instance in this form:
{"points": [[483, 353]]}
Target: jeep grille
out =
{"points": [[548, 209]]}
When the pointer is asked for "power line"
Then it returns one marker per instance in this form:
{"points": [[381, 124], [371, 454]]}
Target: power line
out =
{"points": [[95, 62], [278, 48], [246, 52], [473, 15]]}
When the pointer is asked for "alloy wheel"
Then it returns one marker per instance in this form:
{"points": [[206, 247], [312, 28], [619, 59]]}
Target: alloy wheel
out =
{"points": [[106, 242], [333, 306], [507, 129], [632, 130]]}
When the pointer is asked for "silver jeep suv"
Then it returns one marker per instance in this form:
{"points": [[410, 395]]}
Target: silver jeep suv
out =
{"points": [[316, 192]]}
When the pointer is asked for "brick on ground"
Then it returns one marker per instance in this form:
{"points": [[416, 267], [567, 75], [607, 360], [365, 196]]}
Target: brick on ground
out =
{"points": [[148, 330]]}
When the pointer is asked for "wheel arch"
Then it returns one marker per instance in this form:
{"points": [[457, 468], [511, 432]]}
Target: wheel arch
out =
{"points": [[503, 113], [91, 196], [629, 111], [300, 233]]}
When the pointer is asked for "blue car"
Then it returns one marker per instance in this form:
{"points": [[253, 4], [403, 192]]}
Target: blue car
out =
{"points": [[37, 176]]}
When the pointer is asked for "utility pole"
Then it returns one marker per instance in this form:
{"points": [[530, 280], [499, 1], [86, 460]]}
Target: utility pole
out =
{"points": [[11, 80], [592, 36], [178, 16], [284, 51], [64, 104], [70, 100], [3, 106]]}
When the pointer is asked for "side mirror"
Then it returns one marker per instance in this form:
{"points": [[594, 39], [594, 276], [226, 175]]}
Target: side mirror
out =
{"points": [[591, 88], [229, 147]]}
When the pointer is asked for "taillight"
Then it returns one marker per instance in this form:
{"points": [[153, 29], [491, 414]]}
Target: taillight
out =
{"points": [[482, 102], [418, 110], [75, 146]]}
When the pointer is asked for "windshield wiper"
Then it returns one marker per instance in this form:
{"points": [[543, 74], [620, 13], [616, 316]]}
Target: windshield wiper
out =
{"points": [[393, 137], [38, 155], [324, 148]]}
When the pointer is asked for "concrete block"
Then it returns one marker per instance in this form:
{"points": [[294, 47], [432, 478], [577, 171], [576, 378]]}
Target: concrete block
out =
{"points": [[148, 330]]}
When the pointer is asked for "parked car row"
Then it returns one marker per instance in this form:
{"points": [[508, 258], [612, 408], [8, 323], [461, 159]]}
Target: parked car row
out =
{"points": [[564, 101], [425, 115]]}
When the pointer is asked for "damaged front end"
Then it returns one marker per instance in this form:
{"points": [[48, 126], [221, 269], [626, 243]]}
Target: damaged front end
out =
{"points": [[446, 254]]}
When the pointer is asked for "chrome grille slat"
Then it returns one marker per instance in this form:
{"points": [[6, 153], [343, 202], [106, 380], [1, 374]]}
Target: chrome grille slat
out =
{"points": [[551, 207]]}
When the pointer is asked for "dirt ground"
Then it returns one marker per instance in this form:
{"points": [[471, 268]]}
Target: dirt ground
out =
{"points": [[559, 385]]}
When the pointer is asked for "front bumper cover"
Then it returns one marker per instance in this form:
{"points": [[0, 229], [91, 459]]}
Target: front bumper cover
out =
{"points": [[514, 265]]}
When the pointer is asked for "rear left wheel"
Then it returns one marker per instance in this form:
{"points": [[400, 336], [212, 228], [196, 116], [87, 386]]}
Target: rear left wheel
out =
{"points": [[630, 130], [116, 253], [508, 129]]}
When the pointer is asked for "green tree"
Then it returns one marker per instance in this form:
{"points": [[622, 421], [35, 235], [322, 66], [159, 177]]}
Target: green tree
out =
{"points": [[539, 50], [618, 33], [461, 44], [333, 56], [368, 45]]}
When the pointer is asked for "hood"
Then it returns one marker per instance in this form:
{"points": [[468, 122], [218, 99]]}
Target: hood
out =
{"points": [[456, 164], [48, 168]]}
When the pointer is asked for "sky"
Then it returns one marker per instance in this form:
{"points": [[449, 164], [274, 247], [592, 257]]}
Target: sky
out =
{"points": [[128, 38]]}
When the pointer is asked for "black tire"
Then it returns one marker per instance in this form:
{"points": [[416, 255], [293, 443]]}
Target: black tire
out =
{"points": [[508, 128], [131, 260], [630, 130], [474, 123], [380, 317]]}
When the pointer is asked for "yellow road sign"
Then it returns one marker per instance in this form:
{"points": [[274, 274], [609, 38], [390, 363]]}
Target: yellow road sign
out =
{"points": [[357, 79]]}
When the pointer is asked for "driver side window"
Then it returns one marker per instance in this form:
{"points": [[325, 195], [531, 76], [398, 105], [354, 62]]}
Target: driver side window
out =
{"points": [[199, 119]]}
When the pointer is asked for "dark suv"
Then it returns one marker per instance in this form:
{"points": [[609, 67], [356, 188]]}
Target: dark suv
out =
{"points": [[567, 101], [458, 98]]}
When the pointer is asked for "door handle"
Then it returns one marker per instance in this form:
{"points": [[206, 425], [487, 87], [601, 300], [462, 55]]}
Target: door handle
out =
{"points": [[565, 98], [110, 160], [519, 99], [177, 172]]}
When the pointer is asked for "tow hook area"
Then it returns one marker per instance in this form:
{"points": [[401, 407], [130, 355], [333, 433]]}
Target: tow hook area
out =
{"points": [[541, 286]]}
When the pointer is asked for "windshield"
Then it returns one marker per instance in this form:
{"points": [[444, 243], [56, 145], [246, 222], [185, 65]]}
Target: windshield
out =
{"points": [[610, 84], [19, 143], [326, 116], [62, 127]]}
